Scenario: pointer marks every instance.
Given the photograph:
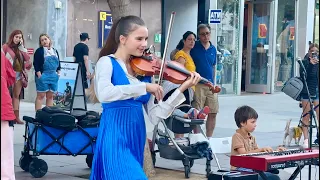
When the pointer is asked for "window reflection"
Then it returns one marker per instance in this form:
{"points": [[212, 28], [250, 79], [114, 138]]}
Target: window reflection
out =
{"points": [[285, 42], [227, 46], [260, 44], [316, 25]]}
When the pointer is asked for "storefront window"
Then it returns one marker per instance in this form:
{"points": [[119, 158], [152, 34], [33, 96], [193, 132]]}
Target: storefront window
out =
{"points": [[285, 42], [228, 46]]}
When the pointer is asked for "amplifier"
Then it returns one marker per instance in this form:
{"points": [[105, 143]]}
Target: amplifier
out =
{"points": [[233, 175]]}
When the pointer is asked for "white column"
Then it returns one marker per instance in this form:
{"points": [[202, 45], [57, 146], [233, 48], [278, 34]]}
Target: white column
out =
{"points": [[305, 24]]}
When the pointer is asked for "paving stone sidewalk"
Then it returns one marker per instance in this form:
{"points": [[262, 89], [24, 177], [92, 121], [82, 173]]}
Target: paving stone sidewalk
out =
{"points": [[274, 110]]}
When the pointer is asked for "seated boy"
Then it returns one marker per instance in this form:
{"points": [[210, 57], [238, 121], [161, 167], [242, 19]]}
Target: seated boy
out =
{"points": [[243, 142]]}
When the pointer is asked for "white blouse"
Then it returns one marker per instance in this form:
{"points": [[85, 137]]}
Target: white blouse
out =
{"points": [[49, 52], [107, 92]]}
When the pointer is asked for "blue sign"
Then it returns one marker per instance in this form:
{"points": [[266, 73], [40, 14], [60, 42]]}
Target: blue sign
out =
{"points": [[104, 26], [215, 16]]}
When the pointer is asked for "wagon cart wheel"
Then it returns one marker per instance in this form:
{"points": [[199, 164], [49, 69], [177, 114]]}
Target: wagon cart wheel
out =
{"points": [[25, 161], [38, 168], [89, 160], [187, 171]]}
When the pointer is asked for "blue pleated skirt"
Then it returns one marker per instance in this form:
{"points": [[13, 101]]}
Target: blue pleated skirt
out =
{"points": [[120, 143]]}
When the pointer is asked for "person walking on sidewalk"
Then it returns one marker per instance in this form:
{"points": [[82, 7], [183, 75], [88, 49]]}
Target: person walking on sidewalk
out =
{"points": [[204, 57], [81, 56], [17, 54], [121, 140], [8, 77], [47, 71]]}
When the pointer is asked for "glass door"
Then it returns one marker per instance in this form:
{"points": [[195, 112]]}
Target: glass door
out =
{"points": [[261, 46]]}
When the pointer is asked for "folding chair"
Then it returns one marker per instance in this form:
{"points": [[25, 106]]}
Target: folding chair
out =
{"points": [[220, 146]]}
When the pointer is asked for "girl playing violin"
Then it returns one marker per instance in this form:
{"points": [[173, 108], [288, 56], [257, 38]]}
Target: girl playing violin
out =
{"points": [[122, 134]]}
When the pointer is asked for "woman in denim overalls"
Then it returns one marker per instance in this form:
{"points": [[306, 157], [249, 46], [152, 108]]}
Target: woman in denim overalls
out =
{"points": [[47, 69]]}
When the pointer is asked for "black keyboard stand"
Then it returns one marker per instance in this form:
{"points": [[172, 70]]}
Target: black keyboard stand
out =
{"points": [[296, 172], [292, 177], [262, 175]]}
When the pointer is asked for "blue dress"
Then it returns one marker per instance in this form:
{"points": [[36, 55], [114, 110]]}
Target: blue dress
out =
{"points": [[122, 135]]}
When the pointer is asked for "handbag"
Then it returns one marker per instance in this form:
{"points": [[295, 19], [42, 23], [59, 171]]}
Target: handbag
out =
{"points": [[24, 78], [293, 88]]}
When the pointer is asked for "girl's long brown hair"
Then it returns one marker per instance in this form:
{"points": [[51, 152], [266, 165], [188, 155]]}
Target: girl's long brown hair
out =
{"points": [[14, 46], [124, 26]]}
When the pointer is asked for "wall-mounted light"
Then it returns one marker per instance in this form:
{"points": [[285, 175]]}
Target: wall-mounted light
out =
{"points": [[30, 36], [58, 4]]}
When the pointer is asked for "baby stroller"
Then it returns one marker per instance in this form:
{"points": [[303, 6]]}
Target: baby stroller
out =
{"points": [[169, 148], [56, 132]]}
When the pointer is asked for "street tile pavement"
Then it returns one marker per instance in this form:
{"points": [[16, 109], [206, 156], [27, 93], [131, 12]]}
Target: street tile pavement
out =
{"points": [[274, 111]]}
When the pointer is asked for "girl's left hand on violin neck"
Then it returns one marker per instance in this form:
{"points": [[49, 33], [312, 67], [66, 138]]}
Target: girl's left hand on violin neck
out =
{"points": [[191, 81]]}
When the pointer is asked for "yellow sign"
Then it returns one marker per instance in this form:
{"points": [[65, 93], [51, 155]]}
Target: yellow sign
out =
{"points": [[103, 16]]}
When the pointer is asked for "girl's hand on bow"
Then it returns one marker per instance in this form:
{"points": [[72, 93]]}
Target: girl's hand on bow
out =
{"points": [[156, 90]]}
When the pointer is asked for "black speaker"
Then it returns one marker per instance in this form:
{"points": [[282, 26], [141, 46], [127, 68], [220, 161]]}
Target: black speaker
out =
{"points": [[232, 175]]}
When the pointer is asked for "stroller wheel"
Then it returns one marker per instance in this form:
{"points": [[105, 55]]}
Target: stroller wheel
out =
{"points": [[25, 161], [38, 168], [89, 160], [208, 169], [187, 171]]}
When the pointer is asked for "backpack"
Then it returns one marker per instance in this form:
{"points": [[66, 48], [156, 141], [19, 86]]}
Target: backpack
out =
{"points": [[92, 119], [56, 118], [293, 88], [86, 118]]}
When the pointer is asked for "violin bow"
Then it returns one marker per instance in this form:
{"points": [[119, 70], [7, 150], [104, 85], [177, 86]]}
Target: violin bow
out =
{"points": [[166, 47]]}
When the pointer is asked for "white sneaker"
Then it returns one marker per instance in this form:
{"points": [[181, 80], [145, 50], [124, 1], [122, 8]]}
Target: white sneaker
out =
{"points": [[305, 143]]}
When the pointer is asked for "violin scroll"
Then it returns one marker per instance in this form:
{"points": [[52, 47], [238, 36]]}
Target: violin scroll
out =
{"points": [[215, 89]]}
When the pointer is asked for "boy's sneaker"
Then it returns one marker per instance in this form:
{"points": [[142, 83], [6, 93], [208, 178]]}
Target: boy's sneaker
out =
{"points": [[305, 143], [204, 112]]}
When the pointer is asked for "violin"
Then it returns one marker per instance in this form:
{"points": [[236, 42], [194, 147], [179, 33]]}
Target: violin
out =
{"points": [[149, 65]]}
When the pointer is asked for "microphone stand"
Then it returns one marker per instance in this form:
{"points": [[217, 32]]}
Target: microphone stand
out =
{"points": [[313, 115]]}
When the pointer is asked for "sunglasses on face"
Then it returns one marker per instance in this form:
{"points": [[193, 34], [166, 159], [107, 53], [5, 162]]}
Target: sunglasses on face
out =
{"points": [[205, 34]]}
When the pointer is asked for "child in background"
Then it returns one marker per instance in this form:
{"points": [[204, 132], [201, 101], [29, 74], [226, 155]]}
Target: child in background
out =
{"points": [[243, 142]]}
